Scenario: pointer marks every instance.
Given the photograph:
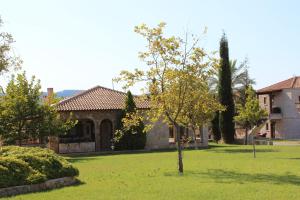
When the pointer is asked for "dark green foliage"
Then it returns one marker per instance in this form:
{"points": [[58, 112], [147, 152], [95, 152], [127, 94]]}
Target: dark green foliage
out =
{"points": [[14, 171], [215, 128], [24, 165], [225, 94], [134, 137], [23, 115]]}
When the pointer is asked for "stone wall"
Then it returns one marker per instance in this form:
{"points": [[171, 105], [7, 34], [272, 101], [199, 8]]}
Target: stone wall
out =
{"points": [[97, 117], [77, 147], [157, 137], [50, 184]]}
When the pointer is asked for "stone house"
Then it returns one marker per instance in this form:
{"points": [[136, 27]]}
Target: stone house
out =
{"points": [[98, 110], [282, 101]]}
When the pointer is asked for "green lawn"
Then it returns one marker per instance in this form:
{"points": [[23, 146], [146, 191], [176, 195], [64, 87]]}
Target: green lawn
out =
{"points": [[221, 172]]}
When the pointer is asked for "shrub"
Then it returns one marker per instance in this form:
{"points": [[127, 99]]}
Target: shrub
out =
{"points": [[17, 172], [24, 165]]}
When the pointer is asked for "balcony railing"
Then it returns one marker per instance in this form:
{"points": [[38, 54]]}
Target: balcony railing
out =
{"points": [[275, 113], [276, 110]]}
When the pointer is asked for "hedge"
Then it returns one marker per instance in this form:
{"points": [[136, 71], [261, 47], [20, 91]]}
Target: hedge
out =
{"points": [[30, 165]]}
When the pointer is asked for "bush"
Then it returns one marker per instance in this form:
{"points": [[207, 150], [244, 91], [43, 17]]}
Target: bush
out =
{"points": [[25, 165], [17, 172]]}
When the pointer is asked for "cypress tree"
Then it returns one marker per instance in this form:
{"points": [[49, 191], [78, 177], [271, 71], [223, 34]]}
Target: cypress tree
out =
{"points": [[226, 119], [215, 128], [134, 138], [129, 103]]}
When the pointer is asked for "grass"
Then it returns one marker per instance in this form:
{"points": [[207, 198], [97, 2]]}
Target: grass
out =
{"points": [[220, 172]]}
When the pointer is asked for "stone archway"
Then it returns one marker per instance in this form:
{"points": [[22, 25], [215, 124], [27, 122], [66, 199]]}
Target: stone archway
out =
{"points": [[106, 134]]}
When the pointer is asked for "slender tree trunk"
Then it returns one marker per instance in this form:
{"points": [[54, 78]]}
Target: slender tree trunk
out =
{"points": [[246, 136], [19, 136], [179, 148], [41, 140], [195, 138], [254, 151], [19, 139]]}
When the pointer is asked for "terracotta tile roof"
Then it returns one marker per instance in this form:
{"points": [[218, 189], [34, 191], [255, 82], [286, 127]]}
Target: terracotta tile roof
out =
{"points": [[98, 98], [286, 84]]}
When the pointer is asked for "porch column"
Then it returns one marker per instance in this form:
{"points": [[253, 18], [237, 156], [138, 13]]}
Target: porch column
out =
{"points": [[97, 134], [270, 103], [204, 136]]}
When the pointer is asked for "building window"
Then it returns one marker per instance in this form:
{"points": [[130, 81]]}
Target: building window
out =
{"points": [[265, 100], [182, 131], [171, 132], [298, 99], [267, 126]]}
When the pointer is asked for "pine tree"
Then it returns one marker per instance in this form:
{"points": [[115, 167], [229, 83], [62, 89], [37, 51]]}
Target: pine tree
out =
{"points": [[225, 94]]}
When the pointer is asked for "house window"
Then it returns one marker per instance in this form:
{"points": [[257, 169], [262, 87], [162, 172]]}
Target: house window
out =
{"points": [[265, 100], [187, 132], [171, 132], [182, 131], [267, 126]]}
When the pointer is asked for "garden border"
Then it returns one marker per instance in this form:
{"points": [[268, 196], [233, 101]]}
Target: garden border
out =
{"points": [[47, 185]]}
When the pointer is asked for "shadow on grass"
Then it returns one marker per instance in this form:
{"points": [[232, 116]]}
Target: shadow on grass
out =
{"points": [[293, 158], [224, 150], [227, 176], [82, 159]]}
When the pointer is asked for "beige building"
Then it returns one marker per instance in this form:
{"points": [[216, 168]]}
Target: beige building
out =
{"points": [[282, 101], [97, 111]]}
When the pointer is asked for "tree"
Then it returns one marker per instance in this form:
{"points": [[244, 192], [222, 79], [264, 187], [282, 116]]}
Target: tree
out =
{"points": [[134, 136], [239, 78], [251, 113], [240, 81], [200, 107], [225, 94], [172, 63], [215, 127], [23, 115], [7, 58]]}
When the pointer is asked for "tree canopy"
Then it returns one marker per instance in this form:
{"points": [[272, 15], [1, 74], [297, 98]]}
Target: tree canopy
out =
{"points": [[250, 113], [130, 137], [176, 70], [8, 59], [225, 93], [24, 115]]}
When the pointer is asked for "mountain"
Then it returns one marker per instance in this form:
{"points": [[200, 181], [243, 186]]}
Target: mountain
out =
{"points": [[64, 93], [67, 93]]}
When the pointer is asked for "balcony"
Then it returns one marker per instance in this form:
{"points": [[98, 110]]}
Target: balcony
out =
{"points": [[276, 113]]}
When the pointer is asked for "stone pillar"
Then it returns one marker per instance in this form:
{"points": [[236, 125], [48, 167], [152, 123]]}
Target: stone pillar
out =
{"points": [[54, 143], [97, 134], [204, 136]]}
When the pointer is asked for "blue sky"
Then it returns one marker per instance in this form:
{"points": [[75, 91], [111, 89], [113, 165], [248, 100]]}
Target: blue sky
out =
{"points": [[77, 44]]}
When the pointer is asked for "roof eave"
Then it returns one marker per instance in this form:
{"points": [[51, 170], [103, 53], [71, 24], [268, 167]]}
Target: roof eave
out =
{"points": [[267, 92]]}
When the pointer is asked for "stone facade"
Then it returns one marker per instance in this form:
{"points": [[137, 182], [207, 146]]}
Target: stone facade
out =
{"points": [[77, 147], [97, 117], [284, 113], [157, 137]]}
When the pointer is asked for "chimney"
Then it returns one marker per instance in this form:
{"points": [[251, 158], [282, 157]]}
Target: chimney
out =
{"points": [[49, 94]]}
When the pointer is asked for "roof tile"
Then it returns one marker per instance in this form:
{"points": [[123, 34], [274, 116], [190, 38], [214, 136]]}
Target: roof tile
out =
{"points": [[98, 98], [286, 84]]}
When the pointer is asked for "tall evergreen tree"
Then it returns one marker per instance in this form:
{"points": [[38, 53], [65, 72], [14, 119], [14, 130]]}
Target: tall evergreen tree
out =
{"points": [[133, 137], [225, 94], [215, 127]]}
